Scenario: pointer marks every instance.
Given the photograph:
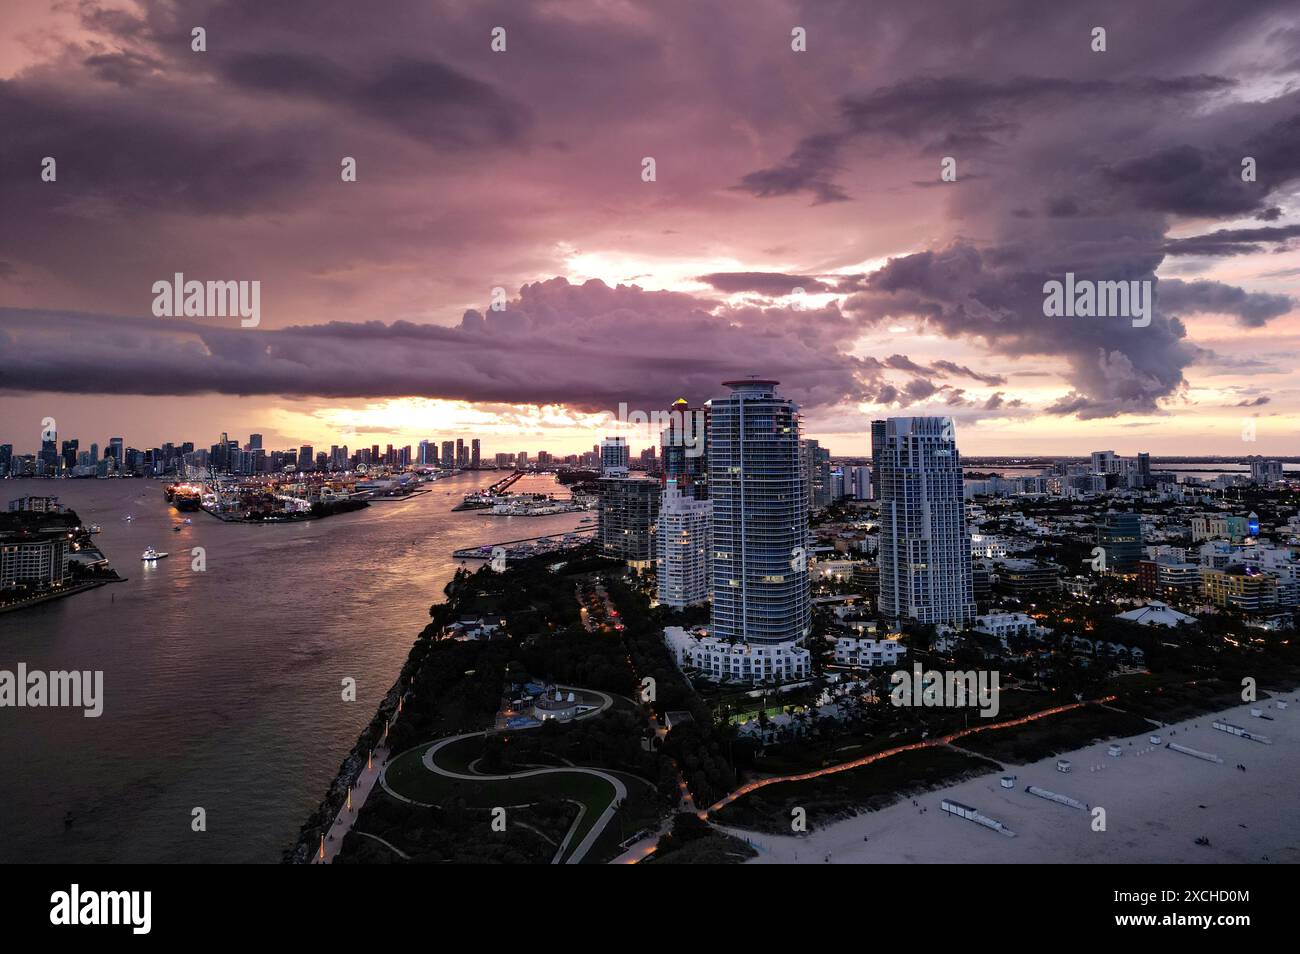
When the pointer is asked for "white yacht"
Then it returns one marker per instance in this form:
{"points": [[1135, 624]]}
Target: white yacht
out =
{"points": [[151, 555]]}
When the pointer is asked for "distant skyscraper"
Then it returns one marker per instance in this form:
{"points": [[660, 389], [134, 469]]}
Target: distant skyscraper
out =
{"points": [[683, 448], [613, 457], [70, 453], [877, 445], [448, 455], [48, 458], [115, 448], [254, 442], [838, 485], [925, 555], [1266, 473], [306, 457], [474, 452], [859, 480], [1105, 462], [682, 546], [760, 516], [521, 460], [817, 473], [424, 453]]}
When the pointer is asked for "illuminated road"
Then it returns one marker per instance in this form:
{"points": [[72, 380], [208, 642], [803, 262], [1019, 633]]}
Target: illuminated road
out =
{"points": [[877, 756]]}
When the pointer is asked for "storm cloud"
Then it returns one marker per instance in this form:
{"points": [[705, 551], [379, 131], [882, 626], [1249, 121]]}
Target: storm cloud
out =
{"points": [[776, 170]]}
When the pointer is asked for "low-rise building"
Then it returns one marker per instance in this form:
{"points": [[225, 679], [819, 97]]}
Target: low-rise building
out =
{"points": [[1219, 527], [1156, 613], [1003, 625], [1028, 578], [1169, 578], [719, 660], [856, 651], [837, 570], [1246, 588]]}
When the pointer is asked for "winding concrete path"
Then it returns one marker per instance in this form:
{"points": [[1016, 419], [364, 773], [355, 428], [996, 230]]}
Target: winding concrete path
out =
{"points": [[578, 853], [620, 790]]}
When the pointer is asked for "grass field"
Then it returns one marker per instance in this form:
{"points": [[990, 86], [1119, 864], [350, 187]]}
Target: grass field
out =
{"points": [[408, 777], [1054, 734]]}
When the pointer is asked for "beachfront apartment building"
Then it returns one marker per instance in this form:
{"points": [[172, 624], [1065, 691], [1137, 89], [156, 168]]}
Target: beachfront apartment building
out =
{"points": [[758, 489], [925, 552]]}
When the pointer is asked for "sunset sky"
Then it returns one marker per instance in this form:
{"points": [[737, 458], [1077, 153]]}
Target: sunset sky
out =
{"points": [[776, 170]]}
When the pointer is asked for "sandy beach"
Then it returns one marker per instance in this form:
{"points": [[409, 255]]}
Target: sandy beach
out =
{"points": [[1157, 802]]}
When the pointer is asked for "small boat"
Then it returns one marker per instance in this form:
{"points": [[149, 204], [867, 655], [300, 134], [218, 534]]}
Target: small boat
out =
{"points": [[129, 517], [188, 521], [151, 555], [96, 528], [177, 528]]}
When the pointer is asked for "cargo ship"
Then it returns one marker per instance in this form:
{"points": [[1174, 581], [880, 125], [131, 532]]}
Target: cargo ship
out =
{"points": [[184, 497]]}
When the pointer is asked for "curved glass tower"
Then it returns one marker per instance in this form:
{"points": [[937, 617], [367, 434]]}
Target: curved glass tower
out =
{"points": [[760, 516]]}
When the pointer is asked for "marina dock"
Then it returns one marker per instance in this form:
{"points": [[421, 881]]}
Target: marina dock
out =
{"points": [[527, 546]]}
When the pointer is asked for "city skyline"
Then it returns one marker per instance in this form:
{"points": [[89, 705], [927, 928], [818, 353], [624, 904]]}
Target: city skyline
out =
{"points": [[495, 268], [649, 432]]}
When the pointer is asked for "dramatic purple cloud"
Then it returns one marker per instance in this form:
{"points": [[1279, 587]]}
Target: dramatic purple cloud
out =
{"points": [[775, 170]]}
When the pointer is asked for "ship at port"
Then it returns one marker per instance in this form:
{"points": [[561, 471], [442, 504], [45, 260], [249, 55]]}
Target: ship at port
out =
{"points": [[184, 497]]}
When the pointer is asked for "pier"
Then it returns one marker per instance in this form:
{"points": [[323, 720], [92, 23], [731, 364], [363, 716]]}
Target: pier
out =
{"points": [[505, 482], [484, 552]]}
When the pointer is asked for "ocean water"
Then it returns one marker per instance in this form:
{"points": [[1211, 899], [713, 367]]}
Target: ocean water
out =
{"points": [[222, 689]]}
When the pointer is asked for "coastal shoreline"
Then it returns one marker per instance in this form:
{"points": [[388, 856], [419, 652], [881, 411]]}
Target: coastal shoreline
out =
{"points": [[307, 842], [1158, 802], [62, 594]]}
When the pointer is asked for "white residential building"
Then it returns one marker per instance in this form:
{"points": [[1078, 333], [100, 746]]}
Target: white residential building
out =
{"points": [[984, 547], [852, 651], [1003, 625], [682, 541], [717, 659], [614, 457]]}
